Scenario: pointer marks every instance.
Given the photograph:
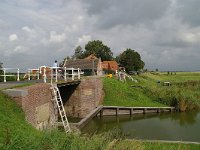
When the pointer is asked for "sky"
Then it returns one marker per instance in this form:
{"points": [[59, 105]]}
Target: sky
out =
{"points": [[166, 33]]}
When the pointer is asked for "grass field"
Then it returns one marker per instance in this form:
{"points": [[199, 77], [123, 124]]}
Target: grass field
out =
{"points": [[16, 133], [149, 90]]}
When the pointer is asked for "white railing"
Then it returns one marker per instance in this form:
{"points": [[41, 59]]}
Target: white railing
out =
{"points": [[32, 74], [6, 74], [64, 73], [52, 73]]}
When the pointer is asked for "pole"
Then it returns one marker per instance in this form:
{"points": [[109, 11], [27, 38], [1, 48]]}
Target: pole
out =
{"points": [[4, 74], [65, 74], [17, 74]]}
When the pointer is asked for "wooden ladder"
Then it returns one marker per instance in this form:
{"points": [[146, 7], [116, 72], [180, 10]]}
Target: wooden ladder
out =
{"points": [[61, 109]]}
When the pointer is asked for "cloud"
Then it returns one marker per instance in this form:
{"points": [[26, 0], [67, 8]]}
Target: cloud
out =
{"points": [[165, 33], [84, 39], [13, 37], [112, 13], [56, 38]]}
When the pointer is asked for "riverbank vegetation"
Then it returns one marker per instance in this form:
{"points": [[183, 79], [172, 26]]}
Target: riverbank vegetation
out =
{"points": [[182, 93], [16, 133]]}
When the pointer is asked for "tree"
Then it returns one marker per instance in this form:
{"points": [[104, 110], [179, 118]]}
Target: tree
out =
{"points": [[131, 60], [99, 49], [78, 53]]}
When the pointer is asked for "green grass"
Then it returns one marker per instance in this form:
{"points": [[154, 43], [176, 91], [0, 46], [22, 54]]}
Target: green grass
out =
{"points": [[182, 94], [16, 133], [118, 93]]}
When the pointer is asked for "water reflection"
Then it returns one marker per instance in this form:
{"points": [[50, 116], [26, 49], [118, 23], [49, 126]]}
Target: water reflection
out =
{"points": [[164, 126]]}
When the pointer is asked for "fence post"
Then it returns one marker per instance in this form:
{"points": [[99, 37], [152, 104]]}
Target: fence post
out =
{"points": [[56, 74], [72, 73], [65, 74], [29, 74], [17, 74], [4, 73], [44, 75], [38, 74], [79, 74], [51, 76]]}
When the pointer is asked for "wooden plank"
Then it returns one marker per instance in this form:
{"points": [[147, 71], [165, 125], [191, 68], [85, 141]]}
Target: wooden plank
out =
{"points": [[93, 113]]}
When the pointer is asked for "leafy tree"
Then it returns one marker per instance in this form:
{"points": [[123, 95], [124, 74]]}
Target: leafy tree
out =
{"points": [[131, 60], [78, 53], [99, 49]]}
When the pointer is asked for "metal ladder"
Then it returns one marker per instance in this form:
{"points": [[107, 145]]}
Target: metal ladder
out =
{"points": [[58, 99]]}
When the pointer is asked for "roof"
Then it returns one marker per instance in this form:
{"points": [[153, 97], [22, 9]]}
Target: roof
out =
{"points": [[82, 63], [110, 65], [91, 57]]}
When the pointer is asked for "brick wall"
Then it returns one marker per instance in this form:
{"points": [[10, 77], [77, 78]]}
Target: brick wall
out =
{"points": [[86, 97], [36, 104], [79, 101]]}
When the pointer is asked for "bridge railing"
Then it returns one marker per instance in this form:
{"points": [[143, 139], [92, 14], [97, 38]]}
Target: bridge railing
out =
{"points": [[54, 73], [63, 73], [15, 72]]}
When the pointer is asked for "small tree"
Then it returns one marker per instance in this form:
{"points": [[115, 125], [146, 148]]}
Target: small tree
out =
{"points": [[131, 60], [99, 49], [78, 53]]}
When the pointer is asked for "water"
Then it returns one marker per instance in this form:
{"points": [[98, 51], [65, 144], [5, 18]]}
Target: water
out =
{"points": [[164, 126]]}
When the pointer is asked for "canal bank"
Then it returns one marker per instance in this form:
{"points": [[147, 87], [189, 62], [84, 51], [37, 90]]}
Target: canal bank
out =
{"points": [[168, 126]]}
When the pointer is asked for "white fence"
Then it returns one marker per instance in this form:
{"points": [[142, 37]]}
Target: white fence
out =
{"points": [[15, 72], [54, 74]]}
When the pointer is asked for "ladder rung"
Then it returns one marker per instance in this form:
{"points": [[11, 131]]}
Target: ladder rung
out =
{"points": [[58, 101]]}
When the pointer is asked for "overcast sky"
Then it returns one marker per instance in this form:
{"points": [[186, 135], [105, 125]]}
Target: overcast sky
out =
{"points": [[36, 32]]}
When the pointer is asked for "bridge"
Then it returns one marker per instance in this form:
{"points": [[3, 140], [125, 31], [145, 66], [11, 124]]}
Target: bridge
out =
{"points": [[60, 92]]}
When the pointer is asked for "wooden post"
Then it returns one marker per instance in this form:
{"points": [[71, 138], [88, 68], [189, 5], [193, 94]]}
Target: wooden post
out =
{"points": [[101, 113], [131, 111], [117, 111], [144, 111], [158, 110]]}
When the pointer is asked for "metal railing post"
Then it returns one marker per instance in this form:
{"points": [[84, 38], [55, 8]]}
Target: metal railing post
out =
{"points": [[72, 73], [29, 74], [51, 75], [79, 75], [44, 75], [38, 74], [56, 74], [4, 73], [17, 74], [65, 74]]}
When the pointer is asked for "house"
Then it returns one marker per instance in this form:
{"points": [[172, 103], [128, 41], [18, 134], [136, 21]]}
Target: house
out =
{"points": [[91, 65], [109, 65]]}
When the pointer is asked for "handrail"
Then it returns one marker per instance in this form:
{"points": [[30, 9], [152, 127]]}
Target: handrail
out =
{"points": [[45, 72], [5, 75]]}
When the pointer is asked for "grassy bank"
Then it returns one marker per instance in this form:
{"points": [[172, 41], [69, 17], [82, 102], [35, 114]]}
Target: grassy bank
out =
{"points": [[149, 91], [16, 133], [118, 93]]}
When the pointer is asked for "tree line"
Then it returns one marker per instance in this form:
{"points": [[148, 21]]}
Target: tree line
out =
{"points": [[129, 58]]}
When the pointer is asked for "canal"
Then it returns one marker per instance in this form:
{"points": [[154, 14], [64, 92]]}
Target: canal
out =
{"points": [[164, 126]]}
